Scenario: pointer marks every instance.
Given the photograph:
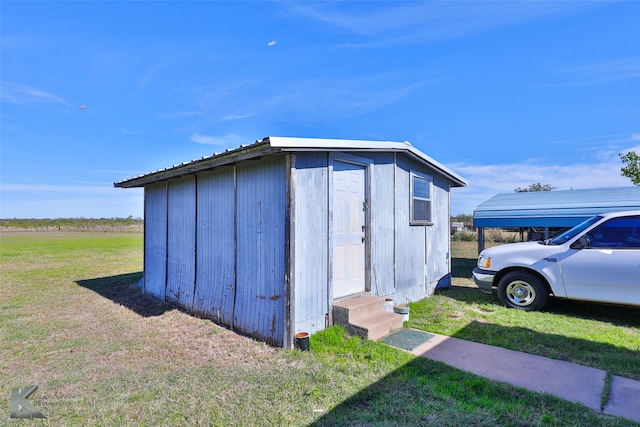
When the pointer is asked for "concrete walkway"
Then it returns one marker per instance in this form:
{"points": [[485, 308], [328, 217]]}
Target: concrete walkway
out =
{"points": [[566, 380]]}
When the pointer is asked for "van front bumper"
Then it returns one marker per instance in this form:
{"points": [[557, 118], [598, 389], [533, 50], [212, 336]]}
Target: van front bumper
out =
{"points": [[484, 279]]}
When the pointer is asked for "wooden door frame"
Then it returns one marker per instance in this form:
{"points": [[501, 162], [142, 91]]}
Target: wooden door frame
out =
{"points": [[367, 165]]}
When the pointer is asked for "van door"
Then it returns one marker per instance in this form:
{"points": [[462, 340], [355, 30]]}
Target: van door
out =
{"points": [[609, 269]]}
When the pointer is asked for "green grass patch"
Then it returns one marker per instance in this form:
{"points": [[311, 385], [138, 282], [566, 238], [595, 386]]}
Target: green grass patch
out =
{"points": [[73, 322], [597, 335], [409, 390]]}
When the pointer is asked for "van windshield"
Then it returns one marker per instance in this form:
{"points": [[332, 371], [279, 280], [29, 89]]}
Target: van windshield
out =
{"points": [[570, 234]]}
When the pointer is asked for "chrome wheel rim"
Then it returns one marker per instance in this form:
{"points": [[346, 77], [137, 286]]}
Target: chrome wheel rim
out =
{"points": [[520, 293]]}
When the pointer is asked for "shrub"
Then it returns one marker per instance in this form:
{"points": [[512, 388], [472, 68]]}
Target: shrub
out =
{"points": [[464, 236], [499, 236]]}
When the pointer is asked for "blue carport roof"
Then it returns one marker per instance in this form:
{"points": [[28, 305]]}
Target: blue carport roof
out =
{"points": [[553, 208]]}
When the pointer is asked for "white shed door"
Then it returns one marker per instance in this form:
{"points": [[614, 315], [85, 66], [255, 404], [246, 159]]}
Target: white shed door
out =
{"points": [[348, 229]]}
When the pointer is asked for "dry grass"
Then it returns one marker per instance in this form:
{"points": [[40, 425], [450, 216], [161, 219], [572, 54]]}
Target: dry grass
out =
{"points": [[73, 322], [59, 330]]}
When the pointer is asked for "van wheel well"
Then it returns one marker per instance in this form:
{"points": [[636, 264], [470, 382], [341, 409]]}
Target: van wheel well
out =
{"points": [[504, 272]]}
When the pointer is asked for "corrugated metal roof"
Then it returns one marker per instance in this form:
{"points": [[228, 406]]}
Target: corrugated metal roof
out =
{"points": [[553, 208], [271, 145]]}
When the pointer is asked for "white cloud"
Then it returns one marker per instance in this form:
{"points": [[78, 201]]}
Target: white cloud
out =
{"points": [[179, 115], [342, 98], [626, 150], [597, 73], [398, 23], [130, 132], [317, 99], [485, 181], [22, 94], [271, 43], [226, 141], [235, 117], [621, 69]]}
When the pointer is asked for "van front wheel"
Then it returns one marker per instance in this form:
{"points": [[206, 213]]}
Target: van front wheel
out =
{"points": [[522, 290]]}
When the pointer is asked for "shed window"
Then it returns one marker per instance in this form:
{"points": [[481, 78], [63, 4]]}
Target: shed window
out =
{"points": [[420, 200]]}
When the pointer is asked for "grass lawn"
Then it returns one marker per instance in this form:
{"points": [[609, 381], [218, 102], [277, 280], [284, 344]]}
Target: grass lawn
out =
{"points": [[597, 335], [73, 322]]}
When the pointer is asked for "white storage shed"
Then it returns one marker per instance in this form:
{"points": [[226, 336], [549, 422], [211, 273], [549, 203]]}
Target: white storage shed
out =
{"points": [[263, 238]]}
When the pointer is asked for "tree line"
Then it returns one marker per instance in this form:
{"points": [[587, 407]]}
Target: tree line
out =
{"points": [[66, 224]]}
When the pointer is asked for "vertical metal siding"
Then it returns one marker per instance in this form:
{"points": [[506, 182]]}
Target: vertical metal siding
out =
{"points": [[216, 244], [432, 240], [439, 236], [181, 240], [406, 261], [311, 241], [410, 240], [289, 248], [382, 233], [215, 259], [155, 239], [260, 230]]}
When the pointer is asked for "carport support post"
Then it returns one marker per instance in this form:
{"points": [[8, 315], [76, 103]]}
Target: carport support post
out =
{"points": [[480, 239]]}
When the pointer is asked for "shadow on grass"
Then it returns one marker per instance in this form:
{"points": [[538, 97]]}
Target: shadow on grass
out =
{"points": [[426, 392], [617, 360], [122, 290], [462, 267], [618, 315], [422, 392], [599, 355]]}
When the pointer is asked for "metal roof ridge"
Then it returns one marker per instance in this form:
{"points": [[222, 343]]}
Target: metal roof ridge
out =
{"points": [[328, 143], [292, 143]]}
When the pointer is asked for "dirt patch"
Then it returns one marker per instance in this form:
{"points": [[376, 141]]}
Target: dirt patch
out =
{"points": [[456, 314]]}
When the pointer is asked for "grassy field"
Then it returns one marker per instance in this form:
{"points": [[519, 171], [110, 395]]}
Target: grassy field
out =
{"points": [[73, 322], [597, 335]]}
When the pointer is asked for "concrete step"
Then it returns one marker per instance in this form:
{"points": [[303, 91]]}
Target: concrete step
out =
{"points": [[377, 325], [351, 309], [365, 316]]}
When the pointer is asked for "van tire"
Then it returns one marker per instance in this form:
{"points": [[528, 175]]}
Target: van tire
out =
{"points": [[522, 290]]}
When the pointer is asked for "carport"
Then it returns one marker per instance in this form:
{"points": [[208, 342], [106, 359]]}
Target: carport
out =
{"points": [[551, 209]]}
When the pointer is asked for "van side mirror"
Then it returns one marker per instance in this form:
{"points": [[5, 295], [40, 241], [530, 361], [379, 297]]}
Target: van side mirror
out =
{"points": [[582, 243]]}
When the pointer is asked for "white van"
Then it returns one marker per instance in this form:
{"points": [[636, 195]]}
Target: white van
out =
{"points": [[597, 260]]}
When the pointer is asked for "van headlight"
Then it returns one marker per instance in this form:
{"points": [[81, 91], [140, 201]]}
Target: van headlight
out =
{"points": [[484, 262]]}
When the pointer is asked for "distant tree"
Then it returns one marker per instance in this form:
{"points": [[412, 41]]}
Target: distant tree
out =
{"points": [[535, 187], [632, 168]]}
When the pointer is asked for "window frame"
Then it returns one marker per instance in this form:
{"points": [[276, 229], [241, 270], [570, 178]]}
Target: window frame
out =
{"points": [[412, 198], [630, 242]]}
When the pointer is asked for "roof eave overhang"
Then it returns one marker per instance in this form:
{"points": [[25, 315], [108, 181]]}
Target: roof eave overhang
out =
{"points": [[253, 151], [273, 145]]}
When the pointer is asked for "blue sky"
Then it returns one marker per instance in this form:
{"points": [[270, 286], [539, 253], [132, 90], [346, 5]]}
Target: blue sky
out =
{"points": [[505, 93]]}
